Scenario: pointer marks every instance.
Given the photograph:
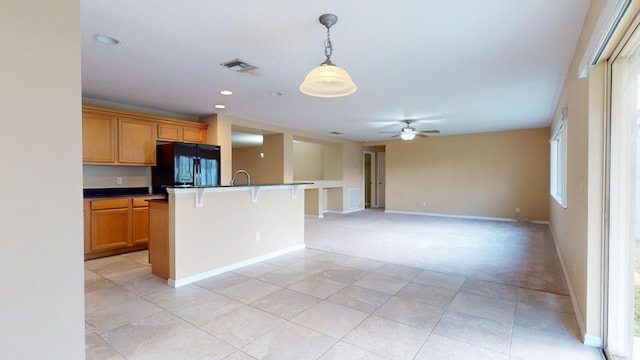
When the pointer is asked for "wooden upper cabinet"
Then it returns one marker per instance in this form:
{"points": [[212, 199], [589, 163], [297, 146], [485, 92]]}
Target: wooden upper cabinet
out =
{"points": [[114, 137], [169, 132], [186, 133], [98, 138], [194, 134], [136, 142]]}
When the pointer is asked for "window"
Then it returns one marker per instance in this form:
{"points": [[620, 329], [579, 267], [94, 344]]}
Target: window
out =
{"points": [[558, 181]]}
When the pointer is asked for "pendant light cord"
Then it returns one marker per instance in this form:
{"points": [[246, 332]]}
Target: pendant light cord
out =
{"points": [[328, 47]]}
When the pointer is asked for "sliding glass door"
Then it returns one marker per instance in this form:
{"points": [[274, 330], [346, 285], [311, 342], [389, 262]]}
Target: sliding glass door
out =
{"points": [[622, 262]]}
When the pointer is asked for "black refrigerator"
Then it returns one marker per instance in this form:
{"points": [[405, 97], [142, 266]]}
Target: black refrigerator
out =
{"points": [[185, 164]]}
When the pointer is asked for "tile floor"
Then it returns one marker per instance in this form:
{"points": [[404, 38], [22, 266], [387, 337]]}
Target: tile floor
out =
{"points": [[318, 304]]}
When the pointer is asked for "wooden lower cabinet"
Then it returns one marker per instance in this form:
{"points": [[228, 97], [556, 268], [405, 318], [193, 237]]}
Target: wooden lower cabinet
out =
{"points": [[140, 216], [110, 229], [159, 239], [116, 225]]}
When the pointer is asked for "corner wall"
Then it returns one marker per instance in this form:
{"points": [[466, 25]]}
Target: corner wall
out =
{"points": [[41, 251]]}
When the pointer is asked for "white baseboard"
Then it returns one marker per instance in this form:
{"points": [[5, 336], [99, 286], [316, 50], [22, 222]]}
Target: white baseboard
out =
{"points": [[466, 217], [593, 341], [344, 211], [352, 210], [587, 339], [201, 276]]}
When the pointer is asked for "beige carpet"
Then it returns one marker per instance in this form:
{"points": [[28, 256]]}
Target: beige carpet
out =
{"points": [[510, 253]]}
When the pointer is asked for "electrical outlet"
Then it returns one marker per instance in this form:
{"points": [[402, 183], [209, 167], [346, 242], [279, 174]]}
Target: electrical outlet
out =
{"points": [[258, 236], [518, 211], [119, 180], [424, 204]]}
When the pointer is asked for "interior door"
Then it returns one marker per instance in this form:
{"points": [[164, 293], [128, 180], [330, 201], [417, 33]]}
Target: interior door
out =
{"points": [[381, 177]]}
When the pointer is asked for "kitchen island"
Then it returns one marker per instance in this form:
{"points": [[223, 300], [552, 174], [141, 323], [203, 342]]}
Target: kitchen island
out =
{"points": [[204, 231]]}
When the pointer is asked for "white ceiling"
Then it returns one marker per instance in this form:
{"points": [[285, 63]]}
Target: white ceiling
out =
{"points": [[467, 65]]}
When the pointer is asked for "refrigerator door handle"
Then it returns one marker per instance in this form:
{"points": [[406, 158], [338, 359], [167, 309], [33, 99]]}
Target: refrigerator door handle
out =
{"points": [[196, 171]]}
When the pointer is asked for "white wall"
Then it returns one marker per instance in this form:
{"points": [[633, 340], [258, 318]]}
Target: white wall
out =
{"points": [[105, 176], [485, 175], [235, 219], [41, 260]]}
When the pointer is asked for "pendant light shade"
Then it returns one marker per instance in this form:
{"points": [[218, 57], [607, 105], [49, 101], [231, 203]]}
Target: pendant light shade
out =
{"points": [[328, 80]]}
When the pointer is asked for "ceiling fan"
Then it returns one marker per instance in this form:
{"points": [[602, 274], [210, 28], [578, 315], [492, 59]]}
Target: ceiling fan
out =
{"points": [[409, 133]]}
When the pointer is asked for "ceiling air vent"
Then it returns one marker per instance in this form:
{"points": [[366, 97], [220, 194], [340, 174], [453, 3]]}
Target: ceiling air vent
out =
{"points": [[239, 65]]}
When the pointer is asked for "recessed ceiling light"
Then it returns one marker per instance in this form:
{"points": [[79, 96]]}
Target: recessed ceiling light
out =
{"points": [[226, 92], [219, 106], [275, 93], [107, 40]]}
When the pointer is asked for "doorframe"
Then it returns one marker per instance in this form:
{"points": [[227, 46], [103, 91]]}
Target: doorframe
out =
{"points": [[617, 286], [379, 184], [374, 198]]}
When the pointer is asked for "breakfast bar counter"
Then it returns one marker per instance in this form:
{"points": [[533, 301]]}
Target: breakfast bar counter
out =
{"points": [[204, 231]]}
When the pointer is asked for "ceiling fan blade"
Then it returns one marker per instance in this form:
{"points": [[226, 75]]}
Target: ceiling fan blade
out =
{"points": [[422, 135], [387, 132], [429, 120], [429, 131]]}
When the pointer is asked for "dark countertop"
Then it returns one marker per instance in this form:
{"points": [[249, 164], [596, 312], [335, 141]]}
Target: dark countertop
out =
{"points": [[162, 201], [115, 192], [237, 186], [144, 191]]}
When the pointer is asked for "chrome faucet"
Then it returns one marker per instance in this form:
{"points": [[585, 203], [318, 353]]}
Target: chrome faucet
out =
{"points": [[233, 179]]}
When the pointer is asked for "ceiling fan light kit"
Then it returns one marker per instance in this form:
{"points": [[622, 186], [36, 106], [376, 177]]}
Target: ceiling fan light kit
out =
{"points": [[328, 80], [408, 133]]}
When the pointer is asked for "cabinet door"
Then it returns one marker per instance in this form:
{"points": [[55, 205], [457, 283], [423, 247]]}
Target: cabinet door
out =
{"points": [[86, 212], [169, 132], [194, 134], [140, 225], [159, 239], [110, 229], [137, 142], [98, 138]]}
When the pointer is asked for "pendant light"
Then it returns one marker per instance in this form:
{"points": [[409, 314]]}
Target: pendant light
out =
{"points": [[328, 80]]}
